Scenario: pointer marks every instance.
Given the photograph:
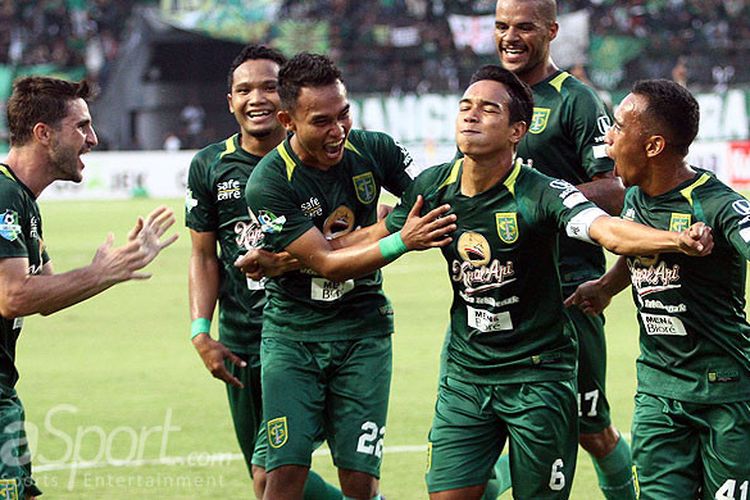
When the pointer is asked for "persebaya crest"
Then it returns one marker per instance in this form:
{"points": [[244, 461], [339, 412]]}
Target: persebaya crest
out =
{"points": [[539, 120], [364, 185], [679, 222], [277, 432], [507, 226]]}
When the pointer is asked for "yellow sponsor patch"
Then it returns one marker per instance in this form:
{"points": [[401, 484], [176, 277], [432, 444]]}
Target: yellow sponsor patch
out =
{"points": [[278, 432]]}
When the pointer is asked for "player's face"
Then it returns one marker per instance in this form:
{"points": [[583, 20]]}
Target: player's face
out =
{"points": [[321, 123], [522, 38], [483, 125], [254, 99], [73, 137], [625, 141]]}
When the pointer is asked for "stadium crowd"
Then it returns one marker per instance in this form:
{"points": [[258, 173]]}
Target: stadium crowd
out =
{"points": [[399, 46]]}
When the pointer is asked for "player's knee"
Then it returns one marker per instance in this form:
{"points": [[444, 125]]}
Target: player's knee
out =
{"points": [[355, 484], [259, 481], [600, 444]]}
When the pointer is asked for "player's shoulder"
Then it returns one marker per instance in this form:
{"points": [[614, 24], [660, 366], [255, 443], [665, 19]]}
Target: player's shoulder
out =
{"points": [[362, 142], [214, 153], [10, 189]]}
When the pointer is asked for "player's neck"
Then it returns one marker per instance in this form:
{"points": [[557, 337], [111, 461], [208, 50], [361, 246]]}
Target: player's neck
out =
{"points": [[261, 146], [539, 73], [29, 166], [482, 173], [667, 176]]}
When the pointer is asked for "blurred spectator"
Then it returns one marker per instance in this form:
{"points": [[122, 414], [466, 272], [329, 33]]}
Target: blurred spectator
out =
{"points": [[172, 142], [193, 117]]}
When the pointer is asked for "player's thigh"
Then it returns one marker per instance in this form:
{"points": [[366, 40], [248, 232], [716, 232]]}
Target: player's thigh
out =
{"points": [[543, 428], [293, 401], [593, 407], [666, 451], [15, 458], [465, 439], [245, 404], [357, 403], [726, 451]]}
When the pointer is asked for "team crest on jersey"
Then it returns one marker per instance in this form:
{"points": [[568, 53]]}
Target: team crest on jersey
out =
{"points": [[364, 185], [474, 249], [9, 489], [9, 226], [539, 120], [679, 222], [339, 223], [190, 202], [507, 226], [277, 432]]}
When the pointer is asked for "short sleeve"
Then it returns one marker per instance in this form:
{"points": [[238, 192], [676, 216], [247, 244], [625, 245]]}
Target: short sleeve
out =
{"points": [[570, 210], [589, 119], [273, 205], [733, 219], [396, 162], [200, 210], [425, 184], [12, 210]]}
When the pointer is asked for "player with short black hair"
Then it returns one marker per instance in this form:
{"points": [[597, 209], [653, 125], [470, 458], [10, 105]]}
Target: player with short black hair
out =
{"points": [[691, 425], [50, 129]]}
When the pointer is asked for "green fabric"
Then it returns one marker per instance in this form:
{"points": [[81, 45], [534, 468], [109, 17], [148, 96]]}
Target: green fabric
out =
{"points": [[694, 337], [214, 203], [501, 482], [288, 198], [615, 473], [316, 488]]}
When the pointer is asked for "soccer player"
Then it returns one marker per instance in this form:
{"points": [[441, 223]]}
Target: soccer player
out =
{"points": [[216, 213], [511, 358], [50, 128], [691, 426], [566, 140], [326, 345]]}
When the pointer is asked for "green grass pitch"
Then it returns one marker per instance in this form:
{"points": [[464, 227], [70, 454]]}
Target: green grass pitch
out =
{"points": [[116, 379]]}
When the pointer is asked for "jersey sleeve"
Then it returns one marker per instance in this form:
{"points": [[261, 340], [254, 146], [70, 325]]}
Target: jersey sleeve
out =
{"points": [[12, 212], [570, 210], [425, 184], [395, 161], [200, 210], [588, 120], [273, 205], [733, 220]]}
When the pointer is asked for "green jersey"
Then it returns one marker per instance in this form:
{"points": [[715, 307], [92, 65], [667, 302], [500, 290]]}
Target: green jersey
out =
{"points": [[289, 198], [566, 140], [20, 236], [507, 319], [215, 203], [695, 340]]}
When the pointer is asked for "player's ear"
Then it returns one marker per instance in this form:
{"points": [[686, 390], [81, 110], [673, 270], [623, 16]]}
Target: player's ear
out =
{"points": [[517, 131], [42, 133], [655, 144], [285, 118], [229, 102], [553, 29]]}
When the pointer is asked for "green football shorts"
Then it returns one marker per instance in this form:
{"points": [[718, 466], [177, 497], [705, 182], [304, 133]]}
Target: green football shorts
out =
{"points": [[15, 459], [593, 407], [473, 421], [246, 406], [691, 450], [338, 389]]}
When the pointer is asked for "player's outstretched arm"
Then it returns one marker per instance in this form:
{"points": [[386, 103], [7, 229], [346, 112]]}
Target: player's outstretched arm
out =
{"points": [[203, 292], [630, 238], [25, 294], [594, 296], [418, 233]]}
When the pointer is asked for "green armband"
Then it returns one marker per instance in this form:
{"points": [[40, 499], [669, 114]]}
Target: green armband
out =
{"points": [[392, 246], [198, 326]]}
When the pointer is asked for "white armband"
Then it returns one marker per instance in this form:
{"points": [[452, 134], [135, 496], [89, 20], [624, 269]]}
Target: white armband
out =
{"points": [[579, 226]]}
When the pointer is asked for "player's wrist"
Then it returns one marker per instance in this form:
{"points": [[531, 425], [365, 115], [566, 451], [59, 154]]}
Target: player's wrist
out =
{"points": [[200, 326], [392, 246]]}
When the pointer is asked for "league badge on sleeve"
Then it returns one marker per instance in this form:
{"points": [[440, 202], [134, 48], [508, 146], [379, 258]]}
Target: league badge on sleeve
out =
{"points": [[9, 226], [190, 201], [9, 489]]}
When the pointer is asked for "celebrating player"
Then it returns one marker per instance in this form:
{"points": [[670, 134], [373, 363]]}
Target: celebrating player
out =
{"points": [[691, 426], [216, 213], [50, 128]]}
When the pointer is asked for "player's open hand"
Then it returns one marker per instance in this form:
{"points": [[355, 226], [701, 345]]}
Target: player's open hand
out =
{"points": [[697, 240], [590, 297], [213, 354], [430, 231], [148, 233]]}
